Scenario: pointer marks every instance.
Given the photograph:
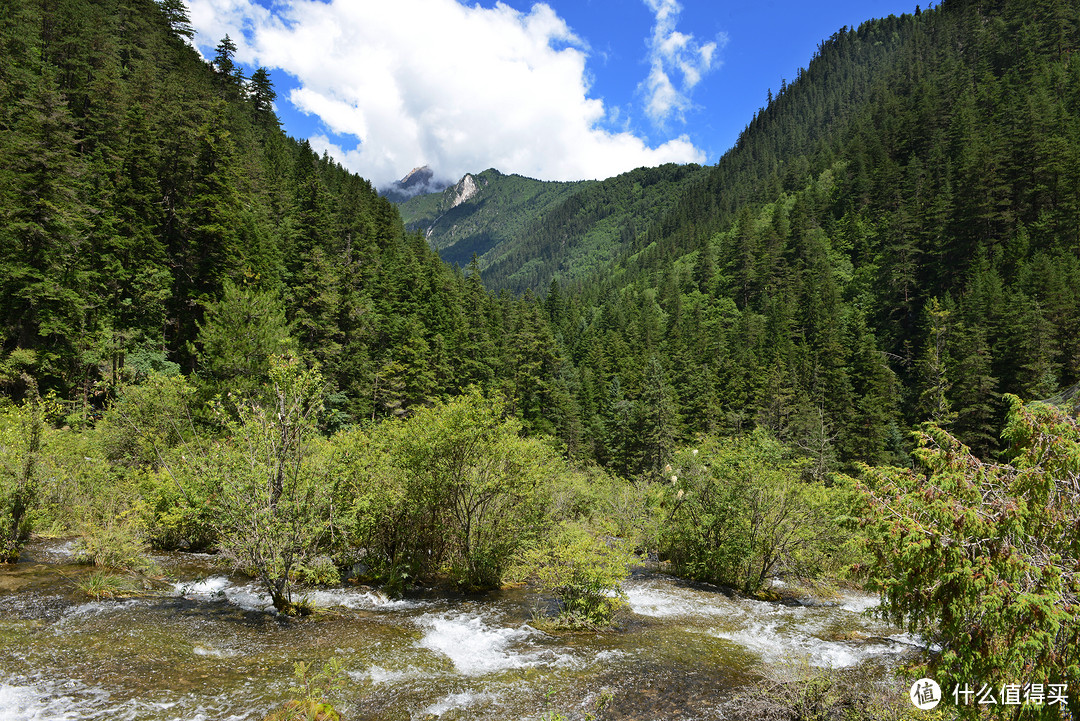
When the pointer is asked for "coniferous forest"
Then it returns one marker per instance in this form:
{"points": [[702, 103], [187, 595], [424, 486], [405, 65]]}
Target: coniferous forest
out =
{"points": [[836, 354]]}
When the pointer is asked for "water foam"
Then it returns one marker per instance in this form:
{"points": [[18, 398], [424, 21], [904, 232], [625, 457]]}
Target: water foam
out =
{"points": [[71, 701], [248, 597], [785, 634], [213, 586], [211, 652], [252, 598], [378, 675], [456, 701], [28, 700], [648, 598], [857, 603], [97, 607], [776, 645], [358, 599], [775, 632], [475, 648]]}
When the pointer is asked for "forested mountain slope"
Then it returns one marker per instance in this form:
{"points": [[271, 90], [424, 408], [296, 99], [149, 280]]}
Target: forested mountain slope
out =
{"points": [[153, 216], [894, 238], [480, 212], [527, 232]]}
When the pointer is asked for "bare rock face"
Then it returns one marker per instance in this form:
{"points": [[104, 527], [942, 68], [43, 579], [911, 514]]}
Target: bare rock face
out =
{"points": [[465, 189]]}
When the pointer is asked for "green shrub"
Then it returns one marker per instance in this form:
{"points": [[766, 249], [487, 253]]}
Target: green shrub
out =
{"points": [[452, 490], [982, 557], [739, 510], [320, 571], [584, 572], [270, 481], [592, 495], [147, 419], [101, 584], [176, 509], [73, 477], [310, 695], [21, 432]]}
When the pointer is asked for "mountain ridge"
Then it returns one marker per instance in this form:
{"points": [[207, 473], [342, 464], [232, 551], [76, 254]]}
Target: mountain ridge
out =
{"points": [[511, 222], [478, 212]]}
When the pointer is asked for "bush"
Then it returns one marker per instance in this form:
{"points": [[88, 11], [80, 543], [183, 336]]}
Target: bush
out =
{"points": [[148, 419], [271, 481], [177, 512], [310, 695], [593, 496], [117, 544], [983, 557], [100, 585], [454, 489], [319, 571], [73, 478], [21, 431], [584, 572], [739, 510]]}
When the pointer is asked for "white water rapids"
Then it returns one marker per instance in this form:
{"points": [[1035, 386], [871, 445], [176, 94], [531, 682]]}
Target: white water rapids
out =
{"points": [[211, 650]]}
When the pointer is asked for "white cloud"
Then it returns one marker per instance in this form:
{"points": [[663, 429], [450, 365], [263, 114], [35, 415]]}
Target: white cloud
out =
{"points": [[436, 82], [670, 52]]}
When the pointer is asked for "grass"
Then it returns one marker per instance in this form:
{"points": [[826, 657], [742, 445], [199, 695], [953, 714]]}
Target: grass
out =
{"points": [[101, 585]]}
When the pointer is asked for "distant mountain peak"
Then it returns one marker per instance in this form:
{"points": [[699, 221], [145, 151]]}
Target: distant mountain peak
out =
{"points": [[417, 181], [418, 175]]}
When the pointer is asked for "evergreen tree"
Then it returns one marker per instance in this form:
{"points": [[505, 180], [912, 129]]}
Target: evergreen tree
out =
{"points": [[934, 404], [177, 17], [42, 270], [262, 94], [659, 419], [223, 58], [239, 335]]}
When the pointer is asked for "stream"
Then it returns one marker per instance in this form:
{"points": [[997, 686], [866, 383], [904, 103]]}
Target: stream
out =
{"points": [[206, 648]]}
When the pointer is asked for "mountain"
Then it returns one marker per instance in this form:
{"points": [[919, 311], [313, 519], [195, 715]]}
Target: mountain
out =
{"points": [[526, 232], [895, 238], [418, 181], [480, 212]]}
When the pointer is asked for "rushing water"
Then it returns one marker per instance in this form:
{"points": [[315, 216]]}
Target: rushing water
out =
{"points": [[206, 648]]}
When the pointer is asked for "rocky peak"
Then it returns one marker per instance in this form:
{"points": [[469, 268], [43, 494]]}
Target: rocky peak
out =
{"points": [[465, 189], [416, 181]]}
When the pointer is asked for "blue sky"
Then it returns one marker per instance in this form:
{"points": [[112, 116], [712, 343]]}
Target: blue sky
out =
{"points": [[559, 90]]}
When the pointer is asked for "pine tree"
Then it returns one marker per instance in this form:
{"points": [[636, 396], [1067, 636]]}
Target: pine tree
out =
{"points": [[238, 336], [262, 94], [659, 419], [934, 367], [223, 58], [974, 394], [177, 17], [42, 271]]}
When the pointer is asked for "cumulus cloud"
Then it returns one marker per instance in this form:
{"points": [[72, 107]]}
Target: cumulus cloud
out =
{"points": [[672, 52], [439, 83]]}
